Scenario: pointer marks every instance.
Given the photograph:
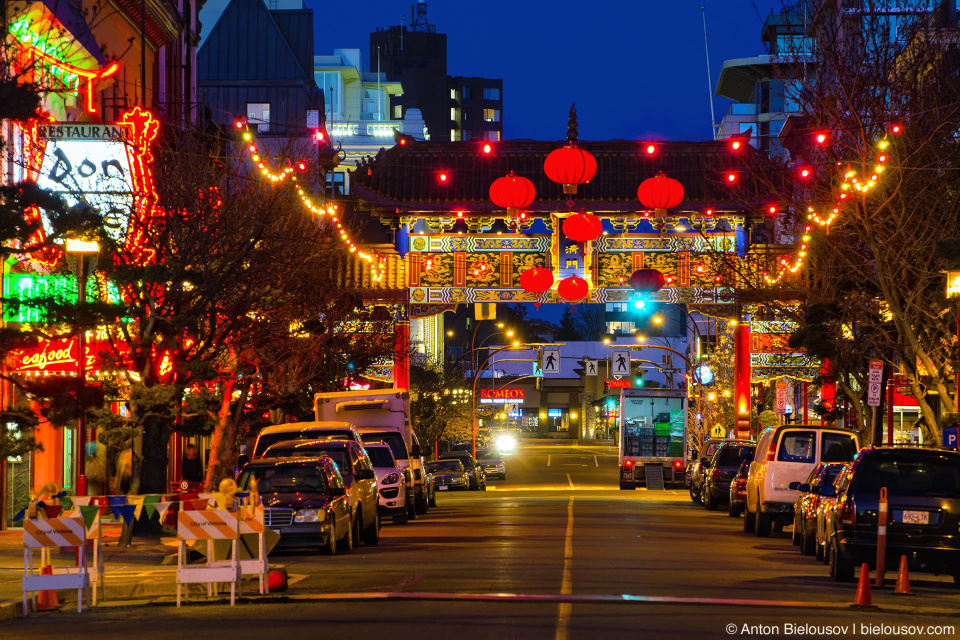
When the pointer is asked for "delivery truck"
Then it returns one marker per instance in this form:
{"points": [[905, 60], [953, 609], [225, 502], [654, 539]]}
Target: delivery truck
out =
{"points": [[653, 438]]}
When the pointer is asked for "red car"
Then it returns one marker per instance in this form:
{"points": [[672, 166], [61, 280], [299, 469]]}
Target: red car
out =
{"points": [[738, 489], [809, 503]]}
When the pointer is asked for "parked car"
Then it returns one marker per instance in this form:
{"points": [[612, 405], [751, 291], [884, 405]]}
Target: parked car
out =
{"points": [[492, 463], [304, 431], [305, 500], [923, 497], [808, 504], [478, 480], [786, 454], [824, 515], [358, 477], [738, 489], [721, 469], [450, 474], [696, 471], [394, 491]]}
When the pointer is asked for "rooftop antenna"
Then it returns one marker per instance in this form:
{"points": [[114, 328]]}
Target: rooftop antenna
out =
{"points": [[706, 48], [420, 20], [403, 18]]}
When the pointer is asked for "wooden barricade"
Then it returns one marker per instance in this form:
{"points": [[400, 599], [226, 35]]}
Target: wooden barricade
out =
{"points": [[53, 534], [95, 568], [251, 522], [209, 525]]}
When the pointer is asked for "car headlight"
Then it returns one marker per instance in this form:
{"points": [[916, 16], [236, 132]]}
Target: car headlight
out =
{"points": [[506, 442], [307, 515], [393, 478], [500, 466]]}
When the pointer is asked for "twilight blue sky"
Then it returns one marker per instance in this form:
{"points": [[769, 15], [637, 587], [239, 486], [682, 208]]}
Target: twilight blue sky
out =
{"points": [[635, 68]]}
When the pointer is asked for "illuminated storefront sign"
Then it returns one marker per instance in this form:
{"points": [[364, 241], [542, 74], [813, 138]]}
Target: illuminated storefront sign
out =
{"points": [[52, 356], [618, 384], [27, 287], [501, 396]]}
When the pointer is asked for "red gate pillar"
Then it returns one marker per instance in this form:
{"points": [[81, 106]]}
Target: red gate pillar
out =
{"points": [[828, 390], [741, 379], [401, 356]]}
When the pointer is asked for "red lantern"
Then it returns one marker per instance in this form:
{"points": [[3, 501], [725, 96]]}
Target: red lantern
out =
{"points": [[647, 280], [573, 288], [582, 227], [660, 193], [536, 280], [512, 192], [570, 166]]}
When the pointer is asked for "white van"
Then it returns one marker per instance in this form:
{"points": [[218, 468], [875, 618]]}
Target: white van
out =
{"points": [[787, 454], [304, 431]]}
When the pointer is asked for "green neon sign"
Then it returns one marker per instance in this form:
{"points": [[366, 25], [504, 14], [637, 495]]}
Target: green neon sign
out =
{"points": [[28, 287], [22, 32]]}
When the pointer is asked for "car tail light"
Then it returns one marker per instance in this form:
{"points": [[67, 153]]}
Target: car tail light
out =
{"points": [[628, 462], [772, 451], [678, 464], [848, 513], [716, 473]]}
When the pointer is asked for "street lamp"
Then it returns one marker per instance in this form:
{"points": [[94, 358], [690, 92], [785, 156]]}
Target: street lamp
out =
{"points": [[84, 253], [953, 293]]}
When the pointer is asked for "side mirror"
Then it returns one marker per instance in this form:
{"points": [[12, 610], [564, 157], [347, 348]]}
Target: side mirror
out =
{"points": [[415, 450], [804, 487], [338, 491], [242, 459], [366, 474], [794, 486], [704, 462], [827, 491]]}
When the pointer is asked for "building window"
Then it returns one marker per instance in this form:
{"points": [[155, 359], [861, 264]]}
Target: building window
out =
{"points": [[454, 135], [491, 93], [491, 135], [621, 327], [491, 115], [330, 83], [465, 135], [397, 112], [454, 114], [465, 92], [617, 306], [453, 94], [258, 113], [336, 183]]}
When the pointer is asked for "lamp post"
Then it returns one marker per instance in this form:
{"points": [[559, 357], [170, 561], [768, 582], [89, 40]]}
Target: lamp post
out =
{"points": [[85, 253], [953, 293]]}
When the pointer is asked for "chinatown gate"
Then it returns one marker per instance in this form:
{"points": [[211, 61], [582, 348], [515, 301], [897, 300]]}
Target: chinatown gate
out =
{"points": [[580, 224]]}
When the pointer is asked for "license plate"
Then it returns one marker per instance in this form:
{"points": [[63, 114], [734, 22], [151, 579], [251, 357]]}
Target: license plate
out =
{"points": [[443, 487], [915, 517]]}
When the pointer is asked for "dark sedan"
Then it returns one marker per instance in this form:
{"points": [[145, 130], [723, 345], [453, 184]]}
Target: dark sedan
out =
{"points": [[923, 497], [722, 468], [478, 479], [304, 500], [696, 472], [738, 489], [449, 474], [808, 504]]}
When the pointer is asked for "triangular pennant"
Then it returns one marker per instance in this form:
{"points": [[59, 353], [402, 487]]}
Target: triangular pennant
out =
{"points": [[20, 514], [80, 501], [149, 501], [52, 511], [66, 501], [89, 513], [161, 508], [137, 502], [126, 512], [61, 494], [116, 501]]}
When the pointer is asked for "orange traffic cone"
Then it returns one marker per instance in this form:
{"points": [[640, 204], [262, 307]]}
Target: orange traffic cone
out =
{"points": [[903, 579], [47, 599], [863, 598]]}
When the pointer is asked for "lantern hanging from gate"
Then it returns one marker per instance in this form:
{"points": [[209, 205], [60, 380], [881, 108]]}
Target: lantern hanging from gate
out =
{"points": [[536, 280], [570, 165], [512, 192], [647, 280], [660, 193], [582, 227], [573, 288]]}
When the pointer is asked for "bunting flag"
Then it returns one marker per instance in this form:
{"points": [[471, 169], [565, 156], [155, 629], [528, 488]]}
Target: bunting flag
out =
{"points": [[20, 514], [89, 513], [116, 501], [62, 494], [161, 508], [137, 502], [80, 501], [149, 501], [195, 505], [66, 501], [52, 511], [125, 511]]}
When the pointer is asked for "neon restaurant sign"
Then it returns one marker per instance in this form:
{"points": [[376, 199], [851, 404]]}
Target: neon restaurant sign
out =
{"points": [[29, 287]]}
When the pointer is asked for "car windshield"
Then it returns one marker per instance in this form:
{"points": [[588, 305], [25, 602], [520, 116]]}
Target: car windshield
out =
{"points": [[337, 454], [488, 454], [467, 460], [393, 438], [444, 465], [284, 479], [831, 473], [797, 446], [711, 449], [909, 474], [269, 439], [730, 455], [381, 456], [837, 447]]}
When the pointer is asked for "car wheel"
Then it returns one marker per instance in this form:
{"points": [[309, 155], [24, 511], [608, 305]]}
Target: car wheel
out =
{"points": [[411, 507], [503, 476], [749, 520], [420, 503], [764, 524], [371, 535], [330, 548], [346, 542], [808, 542], [797, 528], [841, 567], [709, 501], [732, 510], [433, 498], [818, 550], [694, 495]]}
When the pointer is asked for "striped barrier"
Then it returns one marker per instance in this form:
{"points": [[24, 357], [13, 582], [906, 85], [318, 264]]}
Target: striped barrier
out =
{"points": [[251, 522], [94, 536], [209, 525], [51, 534]]}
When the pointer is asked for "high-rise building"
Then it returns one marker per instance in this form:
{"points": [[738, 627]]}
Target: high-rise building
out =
{"points": [[453, 107]]}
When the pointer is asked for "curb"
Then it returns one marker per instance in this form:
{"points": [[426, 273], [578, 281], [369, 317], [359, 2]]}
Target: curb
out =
{"points": [[10, 610]]}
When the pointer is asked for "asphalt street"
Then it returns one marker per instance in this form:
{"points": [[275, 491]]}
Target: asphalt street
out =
{"points": [[555, 550]]}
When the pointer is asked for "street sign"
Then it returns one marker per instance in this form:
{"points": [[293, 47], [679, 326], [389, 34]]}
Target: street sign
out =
{"points": [[620, 363], [950, 437], [900, 380], [590, 366], [550, 361], [874, 379], [537, 371], [781, 397], [718, 432]]}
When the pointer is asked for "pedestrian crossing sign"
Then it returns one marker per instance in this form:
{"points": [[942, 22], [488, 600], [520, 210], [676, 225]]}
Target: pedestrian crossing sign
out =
{"points": [[550, 361]]}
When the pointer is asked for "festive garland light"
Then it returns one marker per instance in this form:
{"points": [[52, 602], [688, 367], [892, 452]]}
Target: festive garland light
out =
{"points": [[852, 184], [377, 263]]}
